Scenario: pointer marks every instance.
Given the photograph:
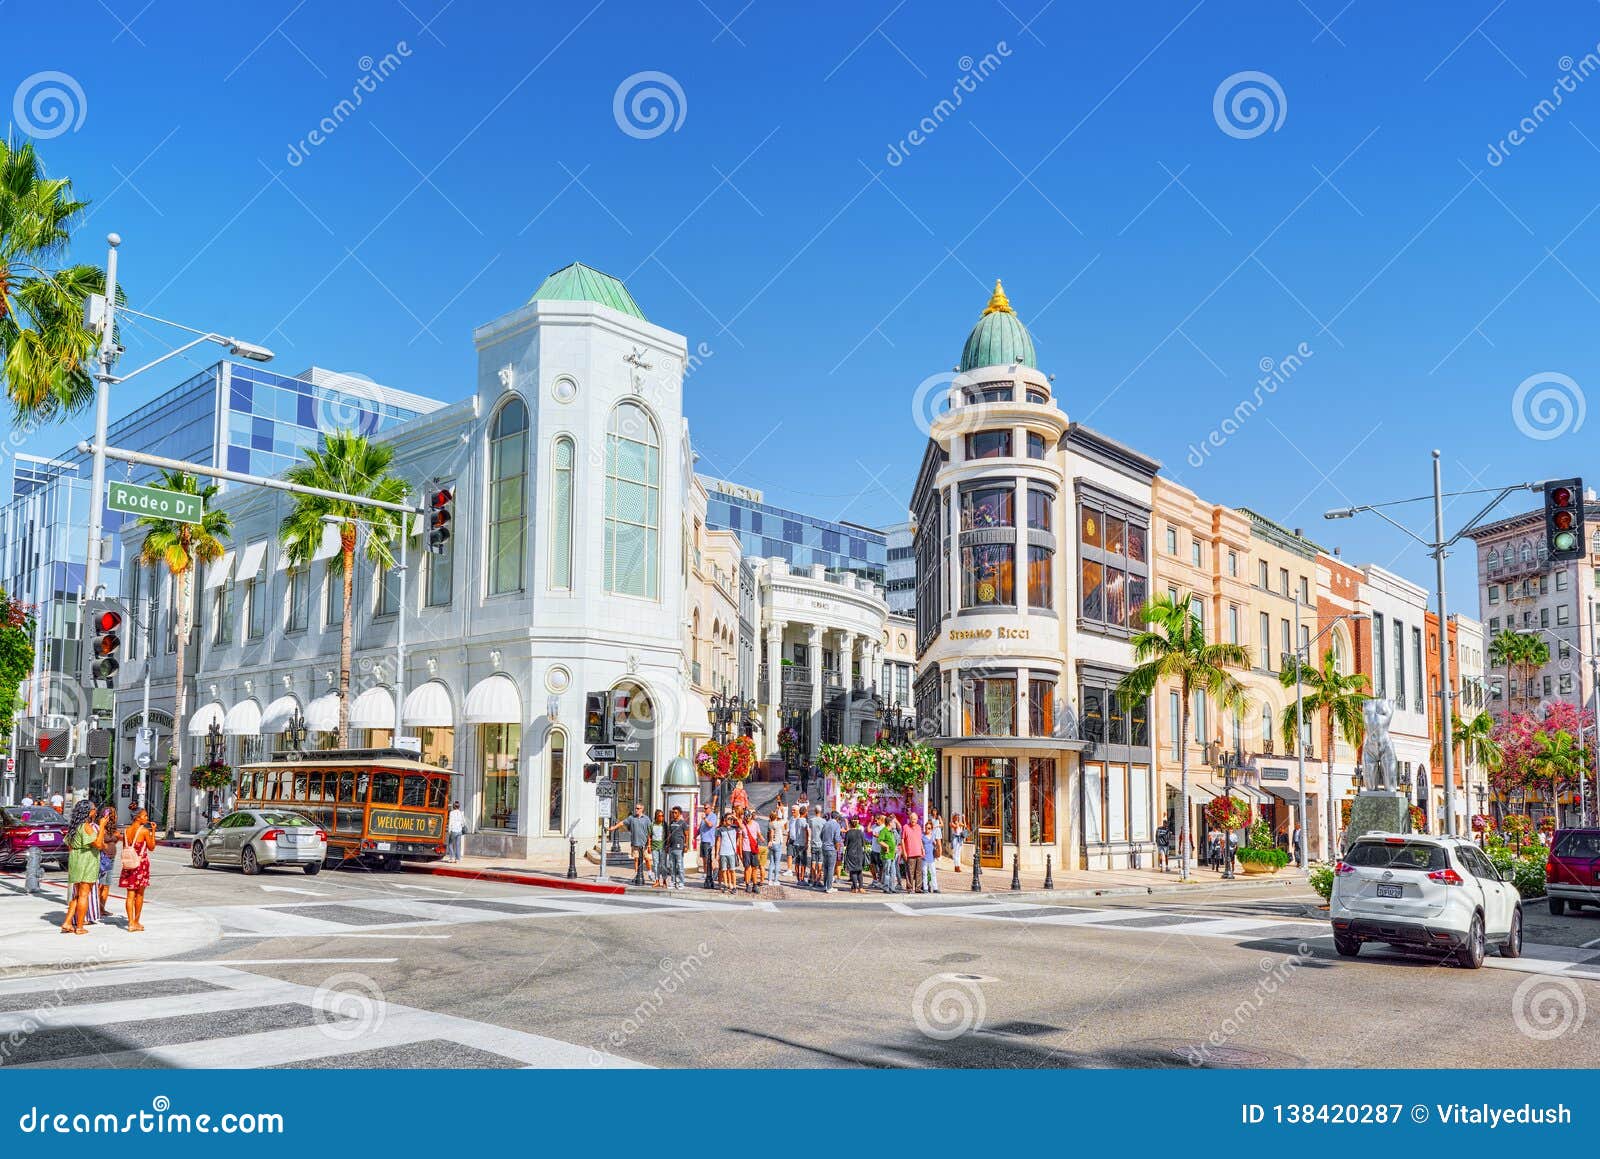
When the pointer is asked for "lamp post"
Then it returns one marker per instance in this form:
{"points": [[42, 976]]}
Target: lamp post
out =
{"points": [[725, 711], [214, 743]]}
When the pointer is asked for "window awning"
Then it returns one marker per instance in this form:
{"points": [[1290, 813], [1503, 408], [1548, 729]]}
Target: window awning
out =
{"points": [[202, 720], [329, 547], [1202, 792], [1283, 792], [243, 719], [374, 708], [696, 714], [276, 717], [493, 700], [217, 573], [250, 561], [428, 706], [322, 714]]}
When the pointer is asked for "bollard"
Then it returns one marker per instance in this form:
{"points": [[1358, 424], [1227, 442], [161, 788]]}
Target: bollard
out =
{"points": [[1016, 871], [1049, 881], [572, 858], [977, 873]]}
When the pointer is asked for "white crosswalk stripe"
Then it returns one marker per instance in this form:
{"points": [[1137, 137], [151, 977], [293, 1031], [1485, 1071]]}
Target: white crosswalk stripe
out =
{"points": [[80, 1020], [1567, 961]]}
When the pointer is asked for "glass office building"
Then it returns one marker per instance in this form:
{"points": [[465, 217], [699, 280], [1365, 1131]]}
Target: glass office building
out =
{"points": [[768, 532]]}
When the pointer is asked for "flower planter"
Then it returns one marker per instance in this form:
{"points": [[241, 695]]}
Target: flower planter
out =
{"points": [[1254, 868]]}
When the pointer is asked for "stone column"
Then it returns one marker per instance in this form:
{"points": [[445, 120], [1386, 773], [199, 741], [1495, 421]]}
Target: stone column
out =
{"points": [[774, 684], [847, 648], [814, 663]]}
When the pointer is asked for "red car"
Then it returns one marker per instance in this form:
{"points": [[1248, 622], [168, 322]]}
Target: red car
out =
{"points": [[1572, 873], [25, 827]]}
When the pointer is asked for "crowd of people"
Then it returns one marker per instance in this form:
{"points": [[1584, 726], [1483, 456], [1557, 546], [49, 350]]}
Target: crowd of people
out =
{"points": [[806, 846], [98, 850]]}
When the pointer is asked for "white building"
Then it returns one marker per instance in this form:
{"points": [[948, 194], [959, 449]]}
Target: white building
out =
{"points": [[900, 572], [1399, 611]]}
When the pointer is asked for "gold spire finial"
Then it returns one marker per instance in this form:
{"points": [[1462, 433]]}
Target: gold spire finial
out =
{"points": [[998, 303]]}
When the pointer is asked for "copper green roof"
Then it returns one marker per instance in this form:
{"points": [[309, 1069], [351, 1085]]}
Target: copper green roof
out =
{"points": [[581, 283], [999, 338]]}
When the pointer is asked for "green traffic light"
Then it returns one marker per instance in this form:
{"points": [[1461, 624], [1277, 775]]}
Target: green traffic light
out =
{"points": [[1566, 541]]}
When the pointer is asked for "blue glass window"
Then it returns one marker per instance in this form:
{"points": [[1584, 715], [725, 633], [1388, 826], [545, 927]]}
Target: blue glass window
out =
{"points": [[306, 412], [238, 459]]}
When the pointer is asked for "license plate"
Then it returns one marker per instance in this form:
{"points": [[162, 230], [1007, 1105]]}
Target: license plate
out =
{"points": [[1390, 891], [383, 846]]}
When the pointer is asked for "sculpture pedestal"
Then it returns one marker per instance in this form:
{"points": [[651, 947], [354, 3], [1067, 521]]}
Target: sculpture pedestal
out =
{"points": [[1378, 811]]}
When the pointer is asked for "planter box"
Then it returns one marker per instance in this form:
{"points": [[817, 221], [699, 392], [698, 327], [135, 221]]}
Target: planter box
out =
{"points": [[1253, 868]]}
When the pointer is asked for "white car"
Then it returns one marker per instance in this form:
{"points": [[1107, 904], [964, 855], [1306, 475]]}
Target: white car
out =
{"points": [[1413, 889]]}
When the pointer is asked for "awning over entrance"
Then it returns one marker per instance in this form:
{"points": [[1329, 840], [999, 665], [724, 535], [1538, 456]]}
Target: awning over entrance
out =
{"points": [[428, 706], [243, 719], [202, 720], [1284, 792], [374, 708], [322, 714], [696, 714], [493, 700], [276, 717]]}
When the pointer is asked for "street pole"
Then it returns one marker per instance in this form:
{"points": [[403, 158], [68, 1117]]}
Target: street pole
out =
{"points": [[1444, 655], [1300, 736], [144, 710], [400, 633], [102, 421]]}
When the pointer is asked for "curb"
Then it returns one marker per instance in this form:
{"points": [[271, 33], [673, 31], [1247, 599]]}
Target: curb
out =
{"points": [[521, 878]]}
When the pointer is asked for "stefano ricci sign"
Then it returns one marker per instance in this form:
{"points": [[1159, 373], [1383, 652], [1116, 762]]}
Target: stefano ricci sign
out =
{"points": [[957, 635]]}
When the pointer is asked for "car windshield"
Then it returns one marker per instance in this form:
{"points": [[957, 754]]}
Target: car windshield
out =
{"points": [[36, 815], [287, 820], [1579, 844], [1400, 855]]}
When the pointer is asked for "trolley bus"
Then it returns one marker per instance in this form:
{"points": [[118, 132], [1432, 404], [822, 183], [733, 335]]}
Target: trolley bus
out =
{"points": [[378, 806]]}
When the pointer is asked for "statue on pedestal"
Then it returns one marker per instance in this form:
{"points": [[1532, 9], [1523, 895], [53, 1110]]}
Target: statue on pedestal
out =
{"points": [[1377, 748]]}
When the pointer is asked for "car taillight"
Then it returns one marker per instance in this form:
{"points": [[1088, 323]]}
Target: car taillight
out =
{"points": [[321, 836], [1343, 868], [272, 835], [1445, 877], [1550, 868]]}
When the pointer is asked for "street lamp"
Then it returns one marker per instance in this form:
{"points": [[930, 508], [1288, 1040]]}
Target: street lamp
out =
{"points": [[724, 712], [214, 744]]}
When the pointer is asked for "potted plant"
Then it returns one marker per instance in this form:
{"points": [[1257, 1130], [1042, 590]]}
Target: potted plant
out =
{"points": [[1260, 854]]}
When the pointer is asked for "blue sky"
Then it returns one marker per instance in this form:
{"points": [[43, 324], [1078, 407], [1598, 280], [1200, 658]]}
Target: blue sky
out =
{"points": [[1157, 259]]}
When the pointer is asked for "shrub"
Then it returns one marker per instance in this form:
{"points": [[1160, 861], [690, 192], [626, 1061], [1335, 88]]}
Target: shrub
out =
{"points": [[1255, 855], [1322, 881], [1528, 876]]}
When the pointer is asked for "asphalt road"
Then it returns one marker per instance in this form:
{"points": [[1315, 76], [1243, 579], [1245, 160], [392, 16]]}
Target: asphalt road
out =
{"points": [[356, 969]]}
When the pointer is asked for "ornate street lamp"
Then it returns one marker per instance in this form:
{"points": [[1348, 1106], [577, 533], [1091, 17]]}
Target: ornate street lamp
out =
{"points": [[297, 731]]}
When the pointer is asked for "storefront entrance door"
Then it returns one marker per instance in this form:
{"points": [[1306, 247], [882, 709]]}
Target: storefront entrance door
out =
{"points": [[633, 784], [987, 804]]}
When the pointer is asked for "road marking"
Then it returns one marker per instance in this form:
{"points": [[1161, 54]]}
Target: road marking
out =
{"points": [[292, 889], [337, 934], [285, 962], [1591, 945], [430, 889]]}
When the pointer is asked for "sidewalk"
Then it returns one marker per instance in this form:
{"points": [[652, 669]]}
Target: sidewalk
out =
{"points": [[31, 937]]}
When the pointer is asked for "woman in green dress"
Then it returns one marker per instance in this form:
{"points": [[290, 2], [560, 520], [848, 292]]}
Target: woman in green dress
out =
{"points": [[83, 866]]}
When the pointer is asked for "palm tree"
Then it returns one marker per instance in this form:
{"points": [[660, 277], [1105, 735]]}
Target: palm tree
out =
{"points": [[1556, 756], [1173, 646], [44, 344], [1474, 740], [180, 546], [1525, 652], [1338, 696], [352, 464]]}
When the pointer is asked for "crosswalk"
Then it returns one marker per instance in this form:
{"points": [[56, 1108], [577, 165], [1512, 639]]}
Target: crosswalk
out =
{"points": [[1239, 928], [197, 1014]]}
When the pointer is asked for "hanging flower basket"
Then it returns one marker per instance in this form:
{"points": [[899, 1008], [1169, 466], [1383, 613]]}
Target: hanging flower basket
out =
{"points": [[705, 759], [212, 776], [1482, 823], [741, 752], [1547, 824], [857, 766], [1227, 813], [1419, 819]]}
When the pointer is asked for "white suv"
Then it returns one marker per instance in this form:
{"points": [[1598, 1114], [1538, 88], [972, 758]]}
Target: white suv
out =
{"points": [[1417, 890]]}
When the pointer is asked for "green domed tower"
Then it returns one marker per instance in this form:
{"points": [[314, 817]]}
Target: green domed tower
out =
{"points": [[999, 338]]}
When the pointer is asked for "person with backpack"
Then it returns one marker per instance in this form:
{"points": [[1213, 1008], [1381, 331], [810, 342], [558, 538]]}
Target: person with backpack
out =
{"points": [[677, 842], [832, 845]]}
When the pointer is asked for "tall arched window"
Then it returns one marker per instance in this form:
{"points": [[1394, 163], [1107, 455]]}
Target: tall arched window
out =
{"points": [[561, 514], [508, 503], [633, 502], [556, 800]]}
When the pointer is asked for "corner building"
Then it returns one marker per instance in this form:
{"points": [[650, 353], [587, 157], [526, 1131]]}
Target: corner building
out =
{"points": [[1031, 540]]}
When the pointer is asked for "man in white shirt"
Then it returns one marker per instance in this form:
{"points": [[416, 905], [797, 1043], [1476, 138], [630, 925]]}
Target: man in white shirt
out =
{"points": [[57, 801], [455, 828]]}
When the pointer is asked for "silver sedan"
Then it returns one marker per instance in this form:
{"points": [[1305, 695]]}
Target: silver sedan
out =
{"points": [[255, 838]]}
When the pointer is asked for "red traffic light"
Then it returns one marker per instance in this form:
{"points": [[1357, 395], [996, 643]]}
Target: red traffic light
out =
{"points": [[1561, 496], [108, 621], [441, 499], [45, 741]]}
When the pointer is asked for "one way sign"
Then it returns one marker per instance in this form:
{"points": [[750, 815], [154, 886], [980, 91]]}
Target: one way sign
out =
{"points": [[602, 752]]}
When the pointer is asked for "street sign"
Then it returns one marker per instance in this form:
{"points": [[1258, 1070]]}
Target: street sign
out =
{"points": [[136, 499], [607, 805], [602, 752], [605, 790], [144, 747]]}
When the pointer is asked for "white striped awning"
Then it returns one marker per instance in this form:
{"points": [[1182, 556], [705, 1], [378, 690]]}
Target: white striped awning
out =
{"points": [[493, 700], [243, 719], [217, 573], [202, 720], [322, 714], [374, 708], [428, 706], [250, 561], [276, 717]]}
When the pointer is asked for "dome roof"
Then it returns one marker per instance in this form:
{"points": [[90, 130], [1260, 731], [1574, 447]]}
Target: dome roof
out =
{"points": [[999, 338], [680, 774], [581, 283]]}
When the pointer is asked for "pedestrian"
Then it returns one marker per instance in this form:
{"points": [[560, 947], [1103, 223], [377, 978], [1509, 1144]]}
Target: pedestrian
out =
{"points": [[799, 844], [27, 801], [58, 802], [638, 827], [83, 866], [1299, 848], [855, 854], [455, 828], [1163, 845], [930, 865], [137, 842], [706, 834], [814, 825], [777, 832], [110, 837], [1214, 850], [832, 846], [805, 780], [958, 838], [889, 839], [911, 844], [1233, 849], [658, 850], [933, 832], [677, 840], [739, 800], [727, 852], [900, 851], [875, 849]]}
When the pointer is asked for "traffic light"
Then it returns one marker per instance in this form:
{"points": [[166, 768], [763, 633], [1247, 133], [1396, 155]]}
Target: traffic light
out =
{"points": [[1564, 519], [621, 728], [591, 773], [103, 621], [596, 718], [439, 504], [53, 744]]}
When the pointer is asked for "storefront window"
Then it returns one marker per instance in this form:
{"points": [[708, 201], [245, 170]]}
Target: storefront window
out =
{"points": [[988, 506], [1041, 572], [1041, 708], [1042, 800], [1041, 509], [1113, 574], [989, 705], [989, 445], [438, 746], [558, 780], [1035, 446], [1094, 787], [500, 746], [987, 576]]}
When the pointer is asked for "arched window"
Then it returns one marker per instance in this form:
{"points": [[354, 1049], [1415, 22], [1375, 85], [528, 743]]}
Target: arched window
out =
{"points": [[1527, 554], [633, 502], [508, 502], [558, 781], [1494, 558], [563, 459], [1266, 728], [1336, 645]]}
